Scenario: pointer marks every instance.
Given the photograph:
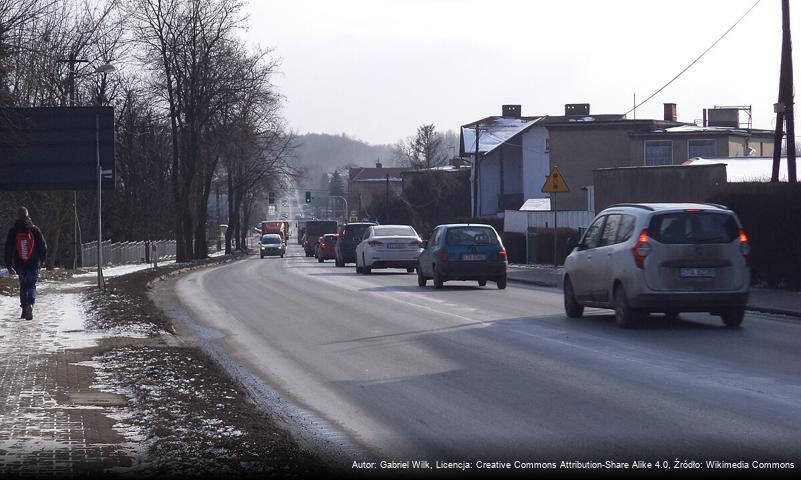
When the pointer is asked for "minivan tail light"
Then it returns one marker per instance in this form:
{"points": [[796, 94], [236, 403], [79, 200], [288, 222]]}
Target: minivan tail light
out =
{"points": [[374, 243], [443, 255], [745, 247], [502, 254], [641, 249]]}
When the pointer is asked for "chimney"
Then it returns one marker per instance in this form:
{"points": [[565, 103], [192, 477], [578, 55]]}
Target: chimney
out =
{"points": [[510, 111], [378, 163], [670, 112], [580, 109]]}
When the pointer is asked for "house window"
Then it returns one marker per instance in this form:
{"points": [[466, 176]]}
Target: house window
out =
{"points": [[702, 148], [658, 152]]}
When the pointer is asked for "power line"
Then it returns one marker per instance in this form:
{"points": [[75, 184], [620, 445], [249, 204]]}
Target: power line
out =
{"points": [[696, 60]]}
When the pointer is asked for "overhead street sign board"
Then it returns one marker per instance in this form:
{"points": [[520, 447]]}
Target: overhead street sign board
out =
{"points": [[55, 148], [555, 183]]}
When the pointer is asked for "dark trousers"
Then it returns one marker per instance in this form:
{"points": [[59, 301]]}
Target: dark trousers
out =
{"points": [[27, 286]]}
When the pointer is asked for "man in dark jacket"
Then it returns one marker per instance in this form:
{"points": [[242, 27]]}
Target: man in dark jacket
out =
{"points": [[26, 250]]}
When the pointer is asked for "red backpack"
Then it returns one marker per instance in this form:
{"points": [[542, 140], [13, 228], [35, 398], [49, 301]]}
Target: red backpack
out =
{"points": [[25, 244]]}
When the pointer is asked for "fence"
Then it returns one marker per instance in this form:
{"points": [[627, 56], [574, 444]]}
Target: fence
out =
{"points": [[126, 252], [515, 221]]}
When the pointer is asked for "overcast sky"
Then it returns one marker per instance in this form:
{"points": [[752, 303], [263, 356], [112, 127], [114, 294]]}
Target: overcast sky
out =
{"points": [[377, 69]]}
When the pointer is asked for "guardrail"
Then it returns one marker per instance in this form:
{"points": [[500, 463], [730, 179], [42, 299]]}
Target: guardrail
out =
{"points": [[127, 252]]}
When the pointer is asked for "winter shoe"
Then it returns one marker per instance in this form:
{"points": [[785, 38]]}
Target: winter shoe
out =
{"points": [[28, 312]]}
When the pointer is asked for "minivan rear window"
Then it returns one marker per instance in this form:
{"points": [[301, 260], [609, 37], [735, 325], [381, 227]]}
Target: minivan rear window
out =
{"points": [[356, 230], [471, 236], [693, 227]]}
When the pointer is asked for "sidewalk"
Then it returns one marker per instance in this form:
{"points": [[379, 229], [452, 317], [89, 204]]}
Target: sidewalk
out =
{"points": [[782, 302]]}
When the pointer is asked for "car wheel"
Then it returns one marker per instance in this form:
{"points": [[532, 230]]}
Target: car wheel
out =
{"points": [[262, 256], [338, 263], [625, 316], [482, 283], [439, 283], [573, 309], [282, 255], [421, 280], [366, 270], [358, 268], [410, 270], [320, 259], [733, 318], [501, 282]]}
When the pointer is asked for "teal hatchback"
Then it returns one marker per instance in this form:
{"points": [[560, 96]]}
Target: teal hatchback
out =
{"points": [[462, 252]]}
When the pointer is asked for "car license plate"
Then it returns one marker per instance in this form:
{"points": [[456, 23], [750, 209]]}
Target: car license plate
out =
{"points": [[473, 257], [697, 272], [394, 245]]}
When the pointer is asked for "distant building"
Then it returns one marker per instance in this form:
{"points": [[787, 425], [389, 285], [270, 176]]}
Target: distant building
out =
{"points": [[367, 187], [517, 152]]}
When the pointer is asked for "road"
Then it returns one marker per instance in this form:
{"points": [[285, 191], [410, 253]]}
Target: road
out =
{"points": [[479, 373]]}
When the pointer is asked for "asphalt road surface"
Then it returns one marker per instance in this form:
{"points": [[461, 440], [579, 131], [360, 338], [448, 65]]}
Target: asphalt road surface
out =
{"points": [[469, 373]]}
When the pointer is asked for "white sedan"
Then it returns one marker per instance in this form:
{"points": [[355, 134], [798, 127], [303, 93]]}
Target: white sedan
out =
{"points": [[388, 246]]}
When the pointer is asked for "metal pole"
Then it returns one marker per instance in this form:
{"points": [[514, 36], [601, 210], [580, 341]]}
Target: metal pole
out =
{"points": [[555, 233], [99, 204], [386, 207]]}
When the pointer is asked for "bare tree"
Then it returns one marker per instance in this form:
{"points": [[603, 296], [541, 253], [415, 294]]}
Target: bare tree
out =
{"points": [[424, 150]]}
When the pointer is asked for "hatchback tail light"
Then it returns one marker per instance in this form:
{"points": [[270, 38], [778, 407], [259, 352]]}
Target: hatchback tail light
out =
{"points": [[375, 243], [502, 254], [745, 247], [443, 255], [641, 249]]}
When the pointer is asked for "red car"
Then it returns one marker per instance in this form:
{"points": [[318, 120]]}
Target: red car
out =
{"points": [[326, 249]]}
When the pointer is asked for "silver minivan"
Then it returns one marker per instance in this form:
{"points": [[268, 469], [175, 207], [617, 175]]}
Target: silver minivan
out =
{"points": [[660, 257]]}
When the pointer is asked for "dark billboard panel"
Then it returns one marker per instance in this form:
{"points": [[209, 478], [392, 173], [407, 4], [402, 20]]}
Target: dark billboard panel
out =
{"points": [[55, 148]]}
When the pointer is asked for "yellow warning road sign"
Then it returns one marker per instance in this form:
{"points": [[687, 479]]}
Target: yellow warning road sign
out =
{"points": [[555, 183]]}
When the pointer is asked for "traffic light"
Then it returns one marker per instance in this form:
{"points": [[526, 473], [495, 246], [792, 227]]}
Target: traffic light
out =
{"points": [[308, 197], [272, 198]]}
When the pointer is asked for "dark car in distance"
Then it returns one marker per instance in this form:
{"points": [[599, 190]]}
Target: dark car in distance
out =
{"points": [[349, 236], [463, 252]]}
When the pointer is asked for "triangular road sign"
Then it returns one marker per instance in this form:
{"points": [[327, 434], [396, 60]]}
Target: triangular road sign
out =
{"points": [[555, 183]]}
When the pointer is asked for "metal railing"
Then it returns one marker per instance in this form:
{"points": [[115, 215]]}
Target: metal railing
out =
{"points": [[127, 252]]}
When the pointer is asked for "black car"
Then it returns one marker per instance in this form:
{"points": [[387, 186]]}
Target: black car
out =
{"points": [[349, 236]]}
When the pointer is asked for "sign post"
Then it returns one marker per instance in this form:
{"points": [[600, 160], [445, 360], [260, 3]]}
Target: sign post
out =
{"points": [[554, 183]]}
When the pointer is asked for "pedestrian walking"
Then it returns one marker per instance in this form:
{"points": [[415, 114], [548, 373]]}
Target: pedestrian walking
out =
{"points": [[26, 250]]}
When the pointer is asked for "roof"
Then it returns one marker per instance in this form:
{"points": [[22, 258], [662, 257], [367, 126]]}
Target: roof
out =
{"points": [[370, 173], [536, 205], [744, 169], [691, 129], [494, 131]]}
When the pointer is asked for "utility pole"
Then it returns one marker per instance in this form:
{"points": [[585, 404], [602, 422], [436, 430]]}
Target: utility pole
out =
{"points": [[785, 121], [386, 204], [475, 177]]}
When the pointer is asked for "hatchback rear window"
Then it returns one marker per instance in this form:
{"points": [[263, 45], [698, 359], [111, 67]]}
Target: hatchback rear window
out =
{"points": [[355, 230], [693, 227], [270, 239], [394, 231], [471, 236]]}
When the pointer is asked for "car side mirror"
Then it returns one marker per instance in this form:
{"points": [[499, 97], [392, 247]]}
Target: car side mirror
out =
{"points": [[572, 243]]}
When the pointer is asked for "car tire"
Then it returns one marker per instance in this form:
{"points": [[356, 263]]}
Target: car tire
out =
{"points": [[573, 309], [282, 255], [732, 318], [625, 316], [410, 270], [482, 283], [367, 270], [358, 268], [421, 280], [338, 263], [262, 256], [501, 282], [320, 259], [439, 283]]}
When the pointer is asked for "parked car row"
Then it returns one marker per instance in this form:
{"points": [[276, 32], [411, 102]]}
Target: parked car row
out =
{"points": [[452, 252]]}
